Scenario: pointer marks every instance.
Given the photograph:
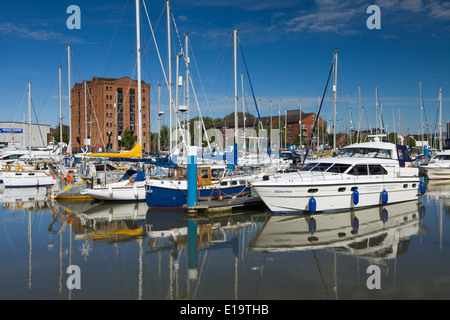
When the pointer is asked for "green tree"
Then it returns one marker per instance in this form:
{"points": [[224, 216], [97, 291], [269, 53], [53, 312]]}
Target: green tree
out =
{"points": [[65, 135], [127, 140]]}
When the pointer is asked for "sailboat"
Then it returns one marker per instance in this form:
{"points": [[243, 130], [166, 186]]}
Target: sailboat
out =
{"points": [[24, 177], [131, 187]]}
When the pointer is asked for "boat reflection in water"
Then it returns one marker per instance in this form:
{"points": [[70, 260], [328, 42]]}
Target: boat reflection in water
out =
{"points": [[25, 198], [375, 234]]}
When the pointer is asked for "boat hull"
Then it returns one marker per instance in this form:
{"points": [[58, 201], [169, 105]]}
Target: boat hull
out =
{"points": [[24, 179], [295, 198], [130, 192], [167, 197]]}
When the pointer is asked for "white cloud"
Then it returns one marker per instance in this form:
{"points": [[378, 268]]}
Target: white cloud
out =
{"points": [[439, 10], [328, 16], [22, 31]]}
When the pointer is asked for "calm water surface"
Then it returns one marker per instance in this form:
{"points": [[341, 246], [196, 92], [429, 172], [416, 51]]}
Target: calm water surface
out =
{"points": [[124, 251]]}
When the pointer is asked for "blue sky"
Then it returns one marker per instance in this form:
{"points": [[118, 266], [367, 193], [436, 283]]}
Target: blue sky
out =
{"points": [[288, 47]]}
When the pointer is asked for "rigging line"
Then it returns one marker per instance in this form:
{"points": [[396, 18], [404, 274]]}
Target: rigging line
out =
{"points": [[156, 45], [21, 102], [113, 37], [253, 94], [318, 112], [48, 92], [39, 127]]}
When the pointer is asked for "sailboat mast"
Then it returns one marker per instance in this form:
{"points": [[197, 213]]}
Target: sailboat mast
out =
{"points": [[421, 111], [70, 100], [440, 118], [244, 144], [186, 55], [60, 111], [235, 88], [334, 100], [138, 52], [300, 123], [29, 116], [169, 84], [86, 142]]}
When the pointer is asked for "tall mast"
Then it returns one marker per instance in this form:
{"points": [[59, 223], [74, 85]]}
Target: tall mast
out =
{"points": [[69, 150], [421, 111], [138, 52], [244, 144], [29, 116], [235, 88], [334, 100], [187, 60], [159, 118], [300, 122], [60, 111], [376, 110], [169, 84], [86, 142], [440, 118]]}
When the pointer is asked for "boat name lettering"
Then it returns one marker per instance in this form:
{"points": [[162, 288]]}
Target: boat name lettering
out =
{"points": [[282, 191]]}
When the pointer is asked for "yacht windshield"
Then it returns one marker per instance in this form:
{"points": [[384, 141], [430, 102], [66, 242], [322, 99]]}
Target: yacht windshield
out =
{"points": [[366, 153], [317, 167]]}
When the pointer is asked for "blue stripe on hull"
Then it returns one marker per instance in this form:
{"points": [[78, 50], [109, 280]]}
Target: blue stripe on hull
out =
{"points": [[171, 198]]}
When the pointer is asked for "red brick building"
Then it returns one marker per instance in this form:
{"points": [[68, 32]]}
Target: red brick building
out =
{"points": [[103, 108]]}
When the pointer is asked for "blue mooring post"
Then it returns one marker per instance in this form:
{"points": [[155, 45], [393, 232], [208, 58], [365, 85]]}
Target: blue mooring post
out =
{"points": [[231, 156], [192, 177]]}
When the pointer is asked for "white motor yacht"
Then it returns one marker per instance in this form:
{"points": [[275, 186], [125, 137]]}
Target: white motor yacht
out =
{"points": [[361, 175]]}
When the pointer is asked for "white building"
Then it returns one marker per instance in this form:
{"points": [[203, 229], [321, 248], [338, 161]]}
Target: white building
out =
{"points": [[18, 132]]}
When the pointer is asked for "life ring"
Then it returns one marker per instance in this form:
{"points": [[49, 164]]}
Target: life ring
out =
{"points": [[19, 206], [69, 177], [69, 220], [18, 167], [64, 180], [7, 167], [199, 181]]}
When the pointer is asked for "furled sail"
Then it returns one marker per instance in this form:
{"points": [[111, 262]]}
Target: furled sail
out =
{"points": [[136, 152]]}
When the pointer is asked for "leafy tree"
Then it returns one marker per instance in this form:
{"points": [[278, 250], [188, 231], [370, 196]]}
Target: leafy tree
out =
{"points": [[127, 140], [65, 135]]}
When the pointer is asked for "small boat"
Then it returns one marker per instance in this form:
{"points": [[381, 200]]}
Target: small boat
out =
{"points": [[23, 177], [361, 175], [131, 187], [214, 182], [439, 165]]}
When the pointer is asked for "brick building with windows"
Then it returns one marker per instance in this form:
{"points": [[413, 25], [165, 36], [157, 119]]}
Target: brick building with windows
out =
{"points": [[103, 108]]}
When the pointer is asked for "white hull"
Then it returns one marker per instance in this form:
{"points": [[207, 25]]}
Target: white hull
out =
{"points": [[120, 191], [362, 175], [36, 178], [296, 198]]}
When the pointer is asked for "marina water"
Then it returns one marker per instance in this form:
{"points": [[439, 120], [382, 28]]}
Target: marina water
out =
{"points": [[86, 250]]}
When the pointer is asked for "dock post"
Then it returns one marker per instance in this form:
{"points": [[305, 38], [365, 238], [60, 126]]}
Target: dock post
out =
{"points": [[192, 177], [232, 157]]}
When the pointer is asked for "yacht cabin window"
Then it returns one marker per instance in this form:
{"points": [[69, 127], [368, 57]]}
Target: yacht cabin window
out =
{"points": [[363, 170]]}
